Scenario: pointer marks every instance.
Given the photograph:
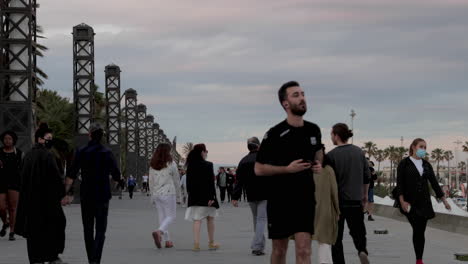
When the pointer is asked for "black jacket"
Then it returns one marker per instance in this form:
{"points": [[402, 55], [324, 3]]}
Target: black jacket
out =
{"points": [[40, 213], [200, 184], [96, 163], [415, 188], [247, 179]]}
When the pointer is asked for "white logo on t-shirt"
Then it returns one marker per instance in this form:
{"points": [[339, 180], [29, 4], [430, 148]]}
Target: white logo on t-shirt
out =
{"points": [[284, 133], [313, 141]]}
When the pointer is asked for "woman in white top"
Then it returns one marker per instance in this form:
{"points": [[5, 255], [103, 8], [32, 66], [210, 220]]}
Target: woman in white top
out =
{"points": [[165, 191]]}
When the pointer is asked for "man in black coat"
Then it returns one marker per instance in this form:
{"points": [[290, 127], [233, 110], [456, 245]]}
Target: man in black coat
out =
{"points": [[256, 196], [40, 217], [96, 163]]}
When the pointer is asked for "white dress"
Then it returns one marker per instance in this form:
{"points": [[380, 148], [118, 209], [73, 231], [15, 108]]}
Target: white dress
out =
{"points": [[196, 213]]}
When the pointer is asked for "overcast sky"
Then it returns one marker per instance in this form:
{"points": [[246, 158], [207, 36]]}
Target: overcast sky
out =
{"points": [[209, 70]]}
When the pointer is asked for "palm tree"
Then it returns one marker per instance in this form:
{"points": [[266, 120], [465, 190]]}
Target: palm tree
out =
{"points": [[393, 157], [437, 155], [369, 148], [465, 147], [462, 168], [448, 156], [57, 112], [401, 152], [380, 156], [186, 148]]}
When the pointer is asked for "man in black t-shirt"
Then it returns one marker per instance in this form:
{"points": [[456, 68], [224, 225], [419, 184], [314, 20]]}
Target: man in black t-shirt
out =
{"points": [[290, 153]]}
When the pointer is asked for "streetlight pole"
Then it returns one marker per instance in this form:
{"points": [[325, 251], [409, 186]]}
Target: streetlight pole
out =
{"points": [[353, 115], [402, 140]]}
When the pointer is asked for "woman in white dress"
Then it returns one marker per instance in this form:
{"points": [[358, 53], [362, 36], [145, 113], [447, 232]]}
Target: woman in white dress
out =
{"points": [[164, 186], [202, 201]]}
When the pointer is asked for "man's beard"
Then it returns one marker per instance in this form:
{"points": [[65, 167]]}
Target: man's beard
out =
{"points": [[297, 110]]}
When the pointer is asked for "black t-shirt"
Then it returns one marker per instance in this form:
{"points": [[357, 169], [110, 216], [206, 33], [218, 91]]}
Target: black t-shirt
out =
{"points": [[281, 145]]}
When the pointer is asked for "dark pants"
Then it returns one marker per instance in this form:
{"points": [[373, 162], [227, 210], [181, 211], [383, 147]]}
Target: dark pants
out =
{"points": [[222, 193], [418, 224], [94, 215], [355, 220], [229, 193], [130, 191]]}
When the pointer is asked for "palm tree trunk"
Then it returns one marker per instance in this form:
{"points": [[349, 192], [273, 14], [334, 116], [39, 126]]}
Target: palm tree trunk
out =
{"points": [[449, 176]]}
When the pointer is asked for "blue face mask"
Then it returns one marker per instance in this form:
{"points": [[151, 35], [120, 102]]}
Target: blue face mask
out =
{"points": [[421, 153]]}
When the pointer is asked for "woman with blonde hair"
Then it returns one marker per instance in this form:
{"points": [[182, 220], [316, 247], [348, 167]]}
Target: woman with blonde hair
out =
{"points": [[164, 186], [412, 193]]}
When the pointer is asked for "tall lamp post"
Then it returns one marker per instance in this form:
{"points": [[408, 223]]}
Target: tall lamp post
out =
{"points": [[353, 115]]}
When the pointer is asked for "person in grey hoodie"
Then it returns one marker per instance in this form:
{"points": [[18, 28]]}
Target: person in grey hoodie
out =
{"points": [[352, 176]]}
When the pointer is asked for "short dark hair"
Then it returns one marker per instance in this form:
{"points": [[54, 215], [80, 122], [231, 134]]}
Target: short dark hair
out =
{"points": [[12, 134], [342, 130], [282, 92], [97, 135]]}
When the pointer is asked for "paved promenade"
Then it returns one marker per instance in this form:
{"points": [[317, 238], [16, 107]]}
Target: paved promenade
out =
{"points": [[132, 221]]}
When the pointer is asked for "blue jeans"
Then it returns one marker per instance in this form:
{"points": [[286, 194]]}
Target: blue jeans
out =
{"points": [[259, 211], [94, 215]]}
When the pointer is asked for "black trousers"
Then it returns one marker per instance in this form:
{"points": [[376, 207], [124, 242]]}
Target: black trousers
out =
{"points": [[130, 191], [229, 193], [354, 217], [222, 193], [94, 215], [418, 223]]}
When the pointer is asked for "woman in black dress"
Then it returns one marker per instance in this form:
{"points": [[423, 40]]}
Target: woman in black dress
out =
{"points": [[202, 202], [412, 193], [10, 163]]}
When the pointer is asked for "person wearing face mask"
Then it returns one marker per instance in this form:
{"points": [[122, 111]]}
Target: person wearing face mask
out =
{"points": [[10, 166], [202, 201], [40, 217], [412, 193]]}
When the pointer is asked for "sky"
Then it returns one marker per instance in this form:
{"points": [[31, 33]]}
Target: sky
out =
{"points": [[210, 70]]}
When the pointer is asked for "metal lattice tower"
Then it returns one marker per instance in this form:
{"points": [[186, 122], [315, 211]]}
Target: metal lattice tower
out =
{"points": [[83, 80], [142, 145], [131, 132], [155, 135], [149, 136], [18, 68], [113, 110]]}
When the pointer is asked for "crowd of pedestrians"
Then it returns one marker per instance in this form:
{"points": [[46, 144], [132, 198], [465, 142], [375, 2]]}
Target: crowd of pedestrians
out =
{"points": [[295, 190]]}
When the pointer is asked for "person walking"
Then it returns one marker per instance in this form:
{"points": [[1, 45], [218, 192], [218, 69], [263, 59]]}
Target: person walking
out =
{"points": [[222, 182], [40, 218], [290, 154], [256, 195], [183, 187], [327, 212], [96, 163], [412, 193], [131, 184], [10, 168], [145, 184], [202, 201], [370, 204], [165, 191], [352, 176], [230, 181]]}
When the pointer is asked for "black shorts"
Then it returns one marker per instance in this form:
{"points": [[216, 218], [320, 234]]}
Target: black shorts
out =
{"points": [[286, 219]]}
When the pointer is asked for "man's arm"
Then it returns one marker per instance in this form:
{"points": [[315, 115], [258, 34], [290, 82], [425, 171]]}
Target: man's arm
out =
{"points": [[271, 170], [115, 172], [72, 171]]}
